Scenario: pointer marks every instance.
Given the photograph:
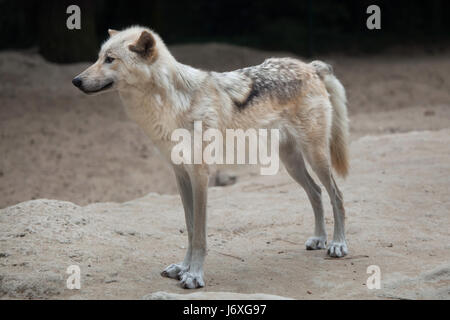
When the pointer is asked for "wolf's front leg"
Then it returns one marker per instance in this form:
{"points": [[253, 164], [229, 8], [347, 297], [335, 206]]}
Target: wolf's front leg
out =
{"points": [[193, 187], [193, 278], [184, 185]]}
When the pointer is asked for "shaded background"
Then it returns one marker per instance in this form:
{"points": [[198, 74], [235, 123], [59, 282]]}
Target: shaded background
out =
{"points": [[303, 27], [77, 150], [57, 143]]}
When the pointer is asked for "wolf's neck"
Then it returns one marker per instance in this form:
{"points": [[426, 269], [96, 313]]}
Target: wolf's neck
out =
{"points": [[179, 85], [157, 104]]}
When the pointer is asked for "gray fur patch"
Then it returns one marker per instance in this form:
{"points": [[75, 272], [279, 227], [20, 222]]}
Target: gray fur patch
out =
{"points": [[275, 78]]}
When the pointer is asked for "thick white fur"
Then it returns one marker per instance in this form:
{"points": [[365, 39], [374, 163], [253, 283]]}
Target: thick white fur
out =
{"points": [[304, 101]]}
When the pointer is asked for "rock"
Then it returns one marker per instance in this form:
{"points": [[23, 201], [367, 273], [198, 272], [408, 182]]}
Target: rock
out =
{"points": [[161, 295]]}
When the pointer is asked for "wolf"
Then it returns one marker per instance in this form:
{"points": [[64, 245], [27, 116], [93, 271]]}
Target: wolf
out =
{"points": [[304, 101]]}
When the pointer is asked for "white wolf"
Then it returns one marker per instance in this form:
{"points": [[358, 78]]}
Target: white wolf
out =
{"points": [[305, 102]]}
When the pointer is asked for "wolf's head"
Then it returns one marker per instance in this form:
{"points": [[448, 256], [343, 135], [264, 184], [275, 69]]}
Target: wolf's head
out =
{"points": [[126, 59]]}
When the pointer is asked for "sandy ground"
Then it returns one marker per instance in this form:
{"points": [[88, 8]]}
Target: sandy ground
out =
{"points": [[397, 218], [56, 143]]}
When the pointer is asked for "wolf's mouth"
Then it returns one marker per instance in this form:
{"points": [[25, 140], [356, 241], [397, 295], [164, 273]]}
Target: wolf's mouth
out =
{"points": [[105, 87]]}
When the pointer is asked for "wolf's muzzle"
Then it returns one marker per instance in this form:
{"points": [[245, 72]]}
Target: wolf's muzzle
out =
{"points": [[78, 82]]}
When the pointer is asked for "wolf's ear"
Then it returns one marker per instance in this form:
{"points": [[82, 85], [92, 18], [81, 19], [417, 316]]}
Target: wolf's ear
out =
{"points": [[112, 32], [145, 45]]}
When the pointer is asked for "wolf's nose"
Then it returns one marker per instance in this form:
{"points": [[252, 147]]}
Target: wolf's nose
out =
{"points": [[77, 82]]}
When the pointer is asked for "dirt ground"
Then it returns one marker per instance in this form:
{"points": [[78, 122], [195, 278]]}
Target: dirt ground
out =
{"points": [[56, 143]]}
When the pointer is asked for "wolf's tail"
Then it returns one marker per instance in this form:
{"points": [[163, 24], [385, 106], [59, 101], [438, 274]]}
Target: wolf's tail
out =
{"points": [[339, 126]]}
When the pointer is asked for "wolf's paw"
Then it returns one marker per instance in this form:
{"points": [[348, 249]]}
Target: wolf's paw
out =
{"points": [[191, 280], [174, 271], [316, 243], [337, 249]]}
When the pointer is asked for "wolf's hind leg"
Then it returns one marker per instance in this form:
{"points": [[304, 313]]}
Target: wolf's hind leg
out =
{"points": [[317, 155], [294, 163]]}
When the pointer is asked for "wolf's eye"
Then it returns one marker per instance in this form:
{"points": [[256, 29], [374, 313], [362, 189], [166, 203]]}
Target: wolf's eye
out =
{"points": [[109, 59]]}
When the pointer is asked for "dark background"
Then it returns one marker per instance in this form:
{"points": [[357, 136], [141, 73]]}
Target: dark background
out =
{"points": [[304, 27]]}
